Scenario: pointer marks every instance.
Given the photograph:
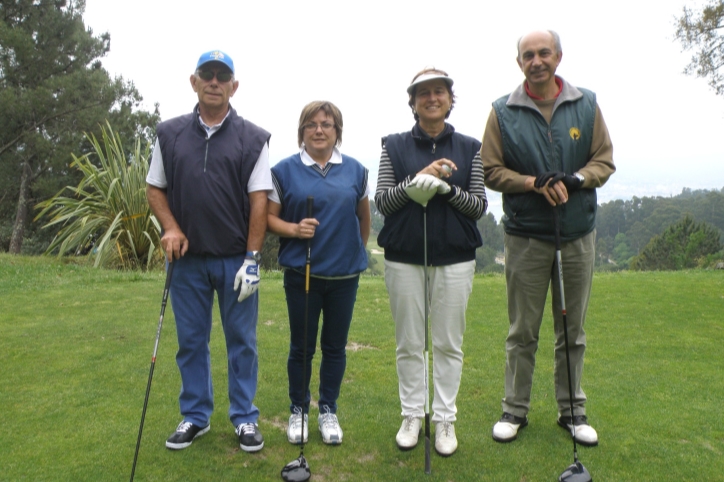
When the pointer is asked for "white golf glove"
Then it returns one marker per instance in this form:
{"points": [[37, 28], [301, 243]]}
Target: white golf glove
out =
{"points": [[425, 182], [425, 186], [247, 278]]}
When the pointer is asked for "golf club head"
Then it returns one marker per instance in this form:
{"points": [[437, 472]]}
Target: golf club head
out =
{"points": [[297, 470], [575, 473]]}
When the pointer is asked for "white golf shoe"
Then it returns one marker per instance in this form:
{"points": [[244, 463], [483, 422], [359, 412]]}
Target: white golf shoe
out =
{"points": [[294, 429], [506, 429], [329, 427], [409, 432], [585, 434], [445, 441]]}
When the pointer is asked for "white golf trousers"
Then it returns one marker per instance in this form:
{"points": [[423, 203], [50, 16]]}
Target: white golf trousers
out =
{"points": [[450, 287]]}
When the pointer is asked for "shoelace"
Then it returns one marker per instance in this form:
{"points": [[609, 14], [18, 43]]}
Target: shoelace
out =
{"points": [[246, 429], [446, 428], [408, 423], [184, 427], [329, 420], [297, 418]]}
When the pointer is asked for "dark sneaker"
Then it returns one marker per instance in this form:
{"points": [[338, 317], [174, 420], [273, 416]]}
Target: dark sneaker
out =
{"points": [[185, 433], [250, 438], [506, 430], [585, 434]]}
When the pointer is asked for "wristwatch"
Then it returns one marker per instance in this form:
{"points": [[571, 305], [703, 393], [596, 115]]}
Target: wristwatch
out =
{"points": [[255, 255]]}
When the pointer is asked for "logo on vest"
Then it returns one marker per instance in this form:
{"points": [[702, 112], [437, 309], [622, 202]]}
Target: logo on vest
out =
{"points": [[574, 133]]}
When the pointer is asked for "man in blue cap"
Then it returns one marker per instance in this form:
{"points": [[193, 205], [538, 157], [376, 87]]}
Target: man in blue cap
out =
{"points": [[207, 186]]}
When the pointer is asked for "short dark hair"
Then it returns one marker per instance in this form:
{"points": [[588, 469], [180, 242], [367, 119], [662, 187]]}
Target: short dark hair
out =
{"points": [[430, 70]]}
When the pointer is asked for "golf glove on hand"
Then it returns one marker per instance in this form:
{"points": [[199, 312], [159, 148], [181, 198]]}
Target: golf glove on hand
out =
{"points": [[247, 278], [443, 187], [547, 179], [572, 183], [426, 182]]}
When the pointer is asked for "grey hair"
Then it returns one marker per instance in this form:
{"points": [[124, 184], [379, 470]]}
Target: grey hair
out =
{"points": [[556, 41]]}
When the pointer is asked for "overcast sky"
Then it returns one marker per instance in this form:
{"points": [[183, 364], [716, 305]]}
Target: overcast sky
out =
{"points": [[667, 128]]}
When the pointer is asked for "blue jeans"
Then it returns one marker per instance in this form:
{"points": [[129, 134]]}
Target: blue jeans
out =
{"points": [[335, 299], [195, 279]]}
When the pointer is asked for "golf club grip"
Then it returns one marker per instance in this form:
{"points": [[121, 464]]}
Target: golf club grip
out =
{"points": [[310, 206], [557, 226], [310, 213]]}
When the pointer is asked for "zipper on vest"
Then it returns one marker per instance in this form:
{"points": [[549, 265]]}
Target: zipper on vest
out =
{"points": [[433, 147], [206, 154]]}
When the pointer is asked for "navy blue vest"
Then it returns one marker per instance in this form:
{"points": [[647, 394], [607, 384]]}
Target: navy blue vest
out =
{"points": [[207, 180], [337, 248], [452, 237]]}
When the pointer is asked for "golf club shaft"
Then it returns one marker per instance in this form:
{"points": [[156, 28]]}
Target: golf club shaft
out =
{"points": [[164, 300], [557, 224], [427, 345], [308, 262]]}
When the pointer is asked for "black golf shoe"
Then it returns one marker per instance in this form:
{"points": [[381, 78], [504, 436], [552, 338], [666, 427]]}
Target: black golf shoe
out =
{"points": [[250, 438], [585, 434], [506, 429], [185, 433]]}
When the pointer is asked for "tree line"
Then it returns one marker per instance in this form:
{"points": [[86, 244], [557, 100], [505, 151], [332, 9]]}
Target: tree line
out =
{"points": [[57, 101]]}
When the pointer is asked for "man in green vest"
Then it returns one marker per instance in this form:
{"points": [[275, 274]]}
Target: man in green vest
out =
{"points": [[546, 129]]}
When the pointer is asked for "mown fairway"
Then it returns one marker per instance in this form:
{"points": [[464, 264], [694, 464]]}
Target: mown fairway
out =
{"points": [[76, 347]]}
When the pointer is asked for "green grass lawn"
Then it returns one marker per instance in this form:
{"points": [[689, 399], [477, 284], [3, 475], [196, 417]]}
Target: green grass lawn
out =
{"points": [[76, 347]]}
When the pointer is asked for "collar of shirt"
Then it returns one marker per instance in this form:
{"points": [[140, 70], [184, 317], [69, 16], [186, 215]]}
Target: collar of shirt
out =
{"points": [[559, 83], [211, 130], [308, 161]]}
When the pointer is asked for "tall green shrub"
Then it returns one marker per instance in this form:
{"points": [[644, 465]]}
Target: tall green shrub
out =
{"points": [[107, 216]]}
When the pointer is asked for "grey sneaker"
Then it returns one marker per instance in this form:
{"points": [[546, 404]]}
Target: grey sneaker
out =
{"points": [[329, 427], [294, 429], [250, 438], [184, 435]]}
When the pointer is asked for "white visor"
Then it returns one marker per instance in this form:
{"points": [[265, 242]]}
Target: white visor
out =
{"points": [[426, 77]]}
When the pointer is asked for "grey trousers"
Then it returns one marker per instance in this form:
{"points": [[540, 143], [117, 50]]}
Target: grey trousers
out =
{"points": [[529, 271]]}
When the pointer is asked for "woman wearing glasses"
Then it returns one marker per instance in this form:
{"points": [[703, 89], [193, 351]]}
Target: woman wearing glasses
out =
{"points": [[338, 229], [447, 166]]}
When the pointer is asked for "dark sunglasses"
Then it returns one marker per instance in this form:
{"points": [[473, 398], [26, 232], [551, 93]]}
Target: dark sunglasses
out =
{"points": [[208, 75]]}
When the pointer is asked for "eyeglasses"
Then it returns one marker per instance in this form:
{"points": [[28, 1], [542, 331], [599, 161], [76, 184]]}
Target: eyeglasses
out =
{"points": [[208, 75], [312, 127]]}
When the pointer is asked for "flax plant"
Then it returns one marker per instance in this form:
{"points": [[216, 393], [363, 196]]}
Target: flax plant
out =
{"points": [[106, 216]]}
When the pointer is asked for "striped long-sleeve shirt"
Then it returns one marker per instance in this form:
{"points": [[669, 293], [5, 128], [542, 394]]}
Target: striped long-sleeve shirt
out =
{"points": [[390, 196]]}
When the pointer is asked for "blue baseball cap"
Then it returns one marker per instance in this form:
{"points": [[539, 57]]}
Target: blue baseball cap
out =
{"points": [[215, 56]]}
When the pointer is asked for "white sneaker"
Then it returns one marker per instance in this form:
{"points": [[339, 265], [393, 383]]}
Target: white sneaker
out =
{"points": [[329, 427], [506, 429], [585, 434], [294, 429], [445, 441], [409, 432]]}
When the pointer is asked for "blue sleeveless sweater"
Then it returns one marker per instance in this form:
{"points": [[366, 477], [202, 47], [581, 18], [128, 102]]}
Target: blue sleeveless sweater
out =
{"points": [[337, 248]]}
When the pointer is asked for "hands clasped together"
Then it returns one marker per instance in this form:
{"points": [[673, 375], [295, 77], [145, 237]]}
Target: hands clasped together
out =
{"points": [[429, 181], [556, 185]]}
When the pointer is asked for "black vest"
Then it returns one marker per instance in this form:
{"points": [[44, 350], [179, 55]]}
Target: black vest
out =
{"points": [[207, 180], [452, 237]]}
